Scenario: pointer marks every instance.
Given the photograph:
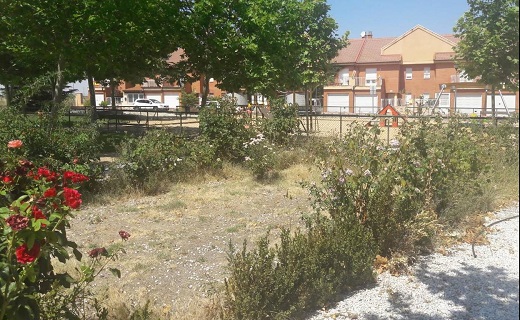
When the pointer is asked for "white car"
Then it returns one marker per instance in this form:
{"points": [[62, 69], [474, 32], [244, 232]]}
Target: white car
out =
{"points": [[153, 104]]}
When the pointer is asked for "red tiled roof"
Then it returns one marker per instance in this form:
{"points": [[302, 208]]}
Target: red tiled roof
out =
{"points": [[368, 50], [451, 38]]}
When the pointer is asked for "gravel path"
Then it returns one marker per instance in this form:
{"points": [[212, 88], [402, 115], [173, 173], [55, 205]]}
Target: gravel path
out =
{"points": [[455, 286]]}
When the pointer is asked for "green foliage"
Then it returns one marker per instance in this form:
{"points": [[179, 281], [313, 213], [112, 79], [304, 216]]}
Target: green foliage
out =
{"points": [[221, 40], [159, 157], [260, 157], [227, 132], [304, 271], [48, 142], [373, 199], [189, 100], [157, 151], [283, 124], [488, 46], [36, 206]]}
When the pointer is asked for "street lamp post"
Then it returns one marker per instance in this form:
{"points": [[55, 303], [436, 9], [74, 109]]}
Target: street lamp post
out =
{"points": [[454, 89]]}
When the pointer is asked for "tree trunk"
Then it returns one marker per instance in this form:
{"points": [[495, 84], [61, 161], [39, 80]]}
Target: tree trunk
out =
{"points": [[57, 93], [113, 93], [92, 96], [205, 91], [8, 91], [493, 113]]}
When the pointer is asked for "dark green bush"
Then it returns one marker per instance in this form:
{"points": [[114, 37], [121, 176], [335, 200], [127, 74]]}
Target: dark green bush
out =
{"points": [[304, 271], [283, 124], [226, 131]]}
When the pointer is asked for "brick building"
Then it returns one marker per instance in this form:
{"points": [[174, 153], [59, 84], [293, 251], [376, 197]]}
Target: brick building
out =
{"points": [[413, 72]]}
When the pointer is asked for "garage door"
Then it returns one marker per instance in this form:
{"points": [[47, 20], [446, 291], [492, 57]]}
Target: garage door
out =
{"points": [[468, 103], [337, 103], [443, 105], [99, 98], [365, 104], [501, 108], [171, 99]]}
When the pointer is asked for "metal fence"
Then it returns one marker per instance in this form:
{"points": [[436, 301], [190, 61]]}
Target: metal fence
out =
{"points": [[187, 123]]}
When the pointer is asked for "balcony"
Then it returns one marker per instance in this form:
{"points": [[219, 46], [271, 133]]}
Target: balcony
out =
{"points": [[458, 78], [356, 82]]}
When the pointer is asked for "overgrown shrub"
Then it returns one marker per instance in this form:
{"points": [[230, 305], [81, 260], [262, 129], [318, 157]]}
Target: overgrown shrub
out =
{"points": [[36, 206], [160, 157], [260, 157], [226, 131], [374, 198], [47, 141], [305, 270], [283, 123]]}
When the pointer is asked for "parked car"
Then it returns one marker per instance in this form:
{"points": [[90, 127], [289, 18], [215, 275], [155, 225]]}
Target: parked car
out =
{"points": [[153, 104]]}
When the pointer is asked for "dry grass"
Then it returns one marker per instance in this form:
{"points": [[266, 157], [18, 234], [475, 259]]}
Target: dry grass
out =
{"points": [[176, 256]]}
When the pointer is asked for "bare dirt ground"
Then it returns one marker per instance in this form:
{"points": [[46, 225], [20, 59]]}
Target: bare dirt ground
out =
{"points": [[176, 256]]}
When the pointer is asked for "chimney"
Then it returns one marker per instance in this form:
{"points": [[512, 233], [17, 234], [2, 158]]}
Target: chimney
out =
{"points": [[366, 34]]}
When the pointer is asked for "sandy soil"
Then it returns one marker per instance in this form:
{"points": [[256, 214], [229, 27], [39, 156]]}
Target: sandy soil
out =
{"points": [[176, 255]]}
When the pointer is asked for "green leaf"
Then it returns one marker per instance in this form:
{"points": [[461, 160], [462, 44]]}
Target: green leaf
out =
{"points": [[115, 272]]}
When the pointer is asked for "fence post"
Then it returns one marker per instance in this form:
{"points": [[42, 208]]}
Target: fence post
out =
{"points": [[340, 122], [181, 122], [387, 134]]}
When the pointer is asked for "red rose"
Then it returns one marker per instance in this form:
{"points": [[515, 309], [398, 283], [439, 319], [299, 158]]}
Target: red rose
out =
{"points": [[49, 193], [94, 253], [7, 179], [38, 214], [25, 255], [14, 144], [74, 177], [124, 235], [17, 222], [72, 197], [47, 174]]}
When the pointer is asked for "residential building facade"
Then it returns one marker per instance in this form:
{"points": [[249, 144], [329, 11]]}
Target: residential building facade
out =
{"points": [[414, 72]]}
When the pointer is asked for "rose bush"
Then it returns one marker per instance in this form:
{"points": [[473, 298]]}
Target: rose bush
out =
{"points": [[36, 205]]}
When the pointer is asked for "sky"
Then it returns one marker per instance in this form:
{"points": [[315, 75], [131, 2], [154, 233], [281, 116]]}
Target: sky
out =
{"points": [[392, 18]]}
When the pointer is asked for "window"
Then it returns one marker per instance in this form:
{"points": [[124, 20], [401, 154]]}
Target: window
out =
{"points": [[343, 77], [426, 72], [371, 77], [118, 101], [408, 74], [131, 97]]}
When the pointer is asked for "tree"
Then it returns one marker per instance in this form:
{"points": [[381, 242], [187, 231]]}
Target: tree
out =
{"points": [[488, 46], [110, 39], [259, 45]]}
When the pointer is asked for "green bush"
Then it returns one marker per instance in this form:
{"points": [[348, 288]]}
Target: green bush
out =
{"points": [[159, 157], [283, 124], [304, 271], [260, 157], [49, 143], [226, 131]]}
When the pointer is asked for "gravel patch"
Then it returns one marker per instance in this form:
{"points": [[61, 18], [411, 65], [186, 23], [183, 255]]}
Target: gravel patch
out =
{"points": [[453, 286]]}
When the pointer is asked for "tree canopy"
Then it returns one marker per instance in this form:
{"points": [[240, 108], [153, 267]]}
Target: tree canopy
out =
{"points": [[488, 46], [261, 46], [257, 45]]}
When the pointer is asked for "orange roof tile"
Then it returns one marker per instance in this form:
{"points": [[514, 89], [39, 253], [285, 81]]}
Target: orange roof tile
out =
{"points": [[368, 50]]}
